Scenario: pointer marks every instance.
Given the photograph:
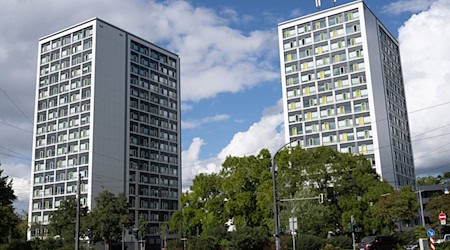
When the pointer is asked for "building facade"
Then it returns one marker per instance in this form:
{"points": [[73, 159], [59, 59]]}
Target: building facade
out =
{"points": [[108, 110], [343, 87]]}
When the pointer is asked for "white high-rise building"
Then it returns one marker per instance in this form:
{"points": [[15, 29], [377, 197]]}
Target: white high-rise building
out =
{"points": [[343, 87], [108, 109]]}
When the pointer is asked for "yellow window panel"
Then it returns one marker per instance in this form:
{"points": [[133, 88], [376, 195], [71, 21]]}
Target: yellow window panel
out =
{"points": [[324, 99], [358, 93], [355, 67], [344, 137], [317, 25], [364, 149], [340, 83], [292, 105], [350, 16], [322, 75], [327, 126], [307, 90], [319, 50], [361, 121], [290, 81], [289, 57], [305, 66], [337, 58], [294, 131], [309, 116], [334, 33]]}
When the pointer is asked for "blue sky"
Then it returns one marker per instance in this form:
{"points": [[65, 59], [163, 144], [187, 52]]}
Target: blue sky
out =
{"points": [[230, 73]]}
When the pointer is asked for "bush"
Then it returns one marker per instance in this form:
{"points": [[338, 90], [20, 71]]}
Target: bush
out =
{"points": [[443, 246], [340, 241], [247, 239], [405, 237], [203, 243], [309, 242]]}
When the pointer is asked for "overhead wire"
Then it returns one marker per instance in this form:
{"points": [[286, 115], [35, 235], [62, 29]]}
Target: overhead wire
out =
{"points": [[15, 104]]}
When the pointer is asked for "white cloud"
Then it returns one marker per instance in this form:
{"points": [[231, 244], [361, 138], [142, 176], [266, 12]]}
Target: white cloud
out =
{"points": [[193, 166], [295, 13], [210, 119], [407, 6], [19, 173], [426, 66], [266, 133]]}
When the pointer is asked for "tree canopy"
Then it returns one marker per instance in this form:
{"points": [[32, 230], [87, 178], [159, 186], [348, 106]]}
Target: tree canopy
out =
{"points": [[63, 220], [433, 180], [8, 218], [241, 195], [109, 217]]}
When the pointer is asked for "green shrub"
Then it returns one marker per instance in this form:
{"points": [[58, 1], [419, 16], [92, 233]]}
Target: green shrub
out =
{"points": [[247, 239], [340, 241], [443, 246], [309, 242]]}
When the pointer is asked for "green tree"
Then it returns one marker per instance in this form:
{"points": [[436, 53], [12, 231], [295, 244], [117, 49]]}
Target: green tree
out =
{"points": [[63, 221], [349, 183], [110, 215], [142, 227], [308, 212], [433, 180], [247, 183], [438, 204], [8, 217], [202, 207], [399, 205]]}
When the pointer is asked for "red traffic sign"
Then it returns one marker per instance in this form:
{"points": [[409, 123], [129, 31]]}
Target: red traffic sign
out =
{"points": [[442, 216]]}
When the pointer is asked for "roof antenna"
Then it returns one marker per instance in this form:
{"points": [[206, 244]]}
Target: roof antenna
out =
{"points": [[318, 4], [334, 3]]}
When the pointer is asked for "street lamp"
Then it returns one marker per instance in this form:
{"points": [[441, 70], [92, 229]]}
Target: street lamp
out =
{"points": [[275, 198]]}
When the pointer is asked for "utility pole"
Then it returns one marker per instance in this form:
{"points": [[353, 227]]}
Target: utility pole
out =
{"points": [[352, 224], [77, 222]]}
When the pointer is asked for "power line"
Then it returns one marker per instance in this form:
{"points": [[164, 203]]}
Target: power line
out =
{"points": [[15, 156], [14, 126], [21, 111], [11, 151]]}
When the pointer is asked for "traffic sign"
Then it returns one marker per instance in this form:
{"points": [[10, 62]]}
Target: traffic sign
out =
{"points": [[442, 216], [430, 232]]}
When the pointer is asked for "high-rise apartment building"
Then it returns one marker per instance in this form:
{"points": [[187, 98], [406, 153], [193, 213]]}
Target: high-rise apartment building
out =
{"points": [[343, 87], [108, 109]]}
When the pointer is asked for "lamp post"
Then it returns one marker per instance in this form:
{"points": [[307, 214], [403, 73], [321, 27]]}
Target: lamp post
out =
{"points": [[421, 207], [275, 198]]}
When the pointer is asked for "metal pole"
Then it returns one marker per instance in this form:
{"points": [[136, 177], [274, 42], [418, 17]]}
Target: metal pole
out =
{"points": [[77, 222], [352, 221], [293, 240], [123, 238], [275, 206], [421, 208]]}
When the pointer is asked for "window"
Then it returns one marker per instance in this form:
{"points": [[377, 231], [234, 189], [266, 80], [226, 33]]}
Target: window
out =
{"points": [[327, 112], [304, 28], [346, 136], [288, 32]]}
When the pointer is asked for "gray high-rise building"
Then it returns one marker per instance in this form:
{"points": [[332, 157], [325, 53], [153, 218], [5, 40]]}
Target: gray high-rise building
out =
{"points": [[343, 87], [108, 109]]}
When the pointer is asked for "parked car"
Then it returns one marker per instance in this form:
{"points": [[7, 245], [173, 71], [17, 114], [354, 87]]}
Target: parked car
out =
{"points": [[378, 243], [413, 245], [444, 239]]}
